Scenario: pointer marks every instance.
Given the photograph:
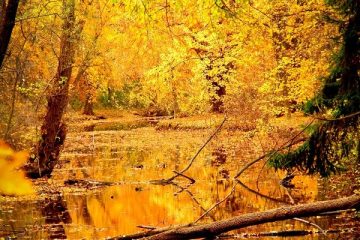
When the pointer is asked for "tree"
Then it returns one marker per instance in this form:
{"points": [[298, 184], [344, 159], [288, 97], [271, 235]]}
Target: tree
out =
{"points": [[29, 64], [53, 130], [217, 63], [299, 46], [334, 140], [7, 18], [91, 26], [89, 95]]}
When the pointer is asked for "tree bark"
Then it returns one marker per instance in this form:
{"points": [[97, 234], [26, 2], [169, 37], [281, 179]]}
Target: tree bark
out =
{"points": [[53, 130], [216, 228], [7, 18], [89, 105]]}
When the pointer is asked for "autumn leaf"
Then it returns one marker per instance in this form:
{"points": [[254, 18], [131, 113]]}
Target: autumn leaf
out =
{"points": [[12, 180]]}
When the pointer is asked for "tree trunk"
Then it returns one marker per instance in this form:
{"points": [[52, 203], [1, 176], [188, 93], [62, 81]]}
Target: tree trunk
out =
{"points": [[89, 89], [89, 105], [216, 228], [217, 101], [217, 91], [53, 130], [7, 18]]}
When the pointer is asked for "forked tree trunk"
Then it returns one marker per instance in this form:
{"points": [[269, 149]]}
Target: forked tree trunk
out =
{"points": [[7, 23], [53, 130]]}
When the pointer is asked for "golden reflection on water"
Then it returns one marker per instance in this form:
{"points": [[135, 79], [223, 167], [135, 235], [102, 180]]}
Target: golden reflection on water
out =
{"points": [[130, 159], [134, 161], [119, 210]]}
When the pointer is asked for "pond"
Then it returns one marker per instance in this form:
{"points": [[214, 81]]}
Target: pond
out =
{"points": [[103, 186]]}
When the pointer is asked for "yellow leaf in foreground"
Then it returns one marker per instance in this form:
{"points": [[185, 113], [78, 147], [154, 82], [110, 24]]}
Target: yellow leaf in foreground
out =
{"points": [[12, 180]]}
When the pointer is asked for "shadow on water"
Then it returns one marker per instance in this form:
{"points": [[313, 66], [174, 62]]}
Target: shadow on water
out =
{"points": [[56, 215], [43, 219]]}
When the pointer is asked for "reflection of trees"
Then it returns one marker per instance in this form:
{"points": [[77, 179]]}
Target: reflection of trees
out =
{"points": [[80, 204], [259, 193], [219, 155], [244, 200], [192, 196], [56, 214], [81, 165]]}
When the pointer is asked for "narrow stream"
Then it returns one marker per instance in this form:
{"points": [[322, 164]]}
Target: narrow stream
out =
{"points": [[125, 158]]}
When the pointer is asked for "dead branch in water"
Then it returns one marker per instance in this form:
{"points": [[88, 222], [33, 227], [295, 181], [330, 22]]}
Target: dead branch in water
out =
{"points": [[211, 230], [181, 173], [292, 142]]}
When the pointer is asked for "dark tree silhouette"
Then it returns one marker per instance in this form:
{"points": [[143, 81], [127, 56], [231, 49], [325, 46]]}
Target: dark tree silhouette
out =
{"points": [[7, 22]]}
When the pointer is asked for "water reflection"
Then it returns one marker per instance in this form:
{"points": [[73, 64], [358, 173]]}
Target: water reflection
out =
{"points": [[219, 156], [25, 219], [130, 159], [120, 209], [56, 214]]}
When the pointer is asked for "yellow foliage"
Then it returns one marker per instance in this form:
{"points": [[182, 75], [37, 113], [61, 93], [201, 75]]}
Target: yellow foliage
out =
{"points": [[12, 180]]}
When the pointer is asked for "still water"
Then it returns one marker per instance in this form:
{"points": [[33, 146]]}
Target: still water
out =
{"points": [[120, 161]]}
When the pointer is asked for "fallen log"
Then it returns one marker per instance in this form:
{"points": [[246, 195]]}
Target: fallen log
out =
{"points": [[283, 213], [211, 230]]}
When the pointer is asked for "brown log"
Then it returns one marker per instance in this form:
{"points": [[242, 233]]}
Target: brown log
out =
{"points": [[216, 228]]}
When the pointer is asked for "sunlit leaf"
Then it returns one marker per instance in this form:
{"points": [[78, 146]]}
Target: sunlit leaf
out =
{"points": [[12, 180]]}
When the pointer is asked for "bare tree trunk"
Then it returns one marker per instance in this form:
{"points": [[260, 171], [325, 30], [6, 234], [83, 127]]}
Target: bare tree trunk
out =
{"points": [[53, 130], [7, 18], [211, 230]]}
